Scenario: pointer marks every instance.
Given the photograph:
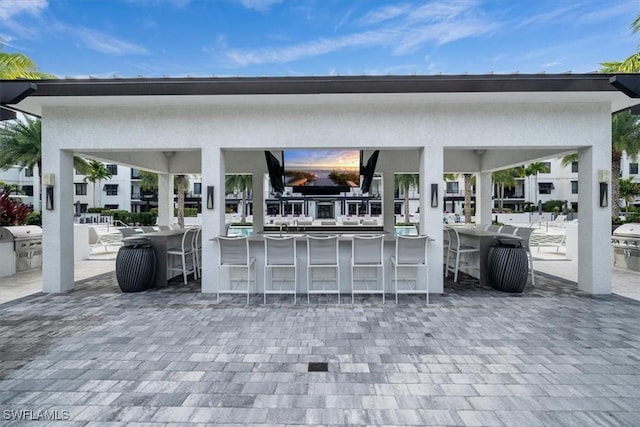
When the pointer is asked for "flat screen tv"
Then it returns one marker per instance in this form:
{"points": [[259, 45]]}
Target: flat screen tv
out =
{"points": [[276, 173], [368, 171], [310, 171]]}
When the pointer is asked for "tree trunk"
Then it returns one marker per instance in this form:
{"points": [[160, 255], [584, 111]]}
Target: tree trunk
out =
{"points": [[243, 218], [406, 205], [467, 198], [615, 184], [180, 180]]}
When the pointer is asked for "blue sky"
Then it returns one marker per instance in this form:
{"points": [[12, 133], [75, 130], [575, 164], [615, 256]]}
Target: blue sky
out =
{"points": [[151, 38]]}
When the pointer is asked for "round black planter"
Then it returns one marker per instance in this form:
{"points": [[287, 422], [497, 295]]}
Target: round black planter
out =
{"points": [[135, 267], [508, 266]]}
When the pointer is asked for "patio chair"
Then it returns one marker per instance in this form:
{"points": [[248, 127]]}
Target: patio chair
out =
{"points": [[525, 234], [280, 253], [197, 251], [322, 253], [493, 228], [95, 240], [367, 253], [508, 229], [411, 251], [234, 254], [164, 228], [456, 249], [188, 263]]}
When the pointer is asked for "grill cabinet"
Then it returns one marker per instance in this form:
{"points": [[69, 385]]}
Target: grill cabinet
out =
{"points": [[20, 249], [626, 246]]}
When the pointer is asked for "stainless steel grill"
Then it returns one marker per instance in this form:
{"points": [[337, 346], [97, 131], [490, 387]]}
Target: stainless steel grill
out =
{"points": [[626, 246], [20, 248]]}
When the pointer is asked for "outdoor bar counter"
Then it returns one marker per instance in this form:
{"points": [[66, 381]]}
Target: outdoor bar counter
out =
{"points": [[256, 249]]}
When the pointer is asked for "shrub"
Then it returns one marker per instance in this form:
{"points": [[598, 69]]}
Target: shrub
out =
{"points": [[34, 218], [97, 210], [12, 212], [553, 206]]}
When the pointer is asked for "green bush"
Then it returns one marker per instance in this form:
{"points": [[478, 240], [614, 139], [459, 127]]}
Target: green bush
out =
{"points": [[553, 206], [97, 210], [132, 218], [34, 218], [188, 212]]}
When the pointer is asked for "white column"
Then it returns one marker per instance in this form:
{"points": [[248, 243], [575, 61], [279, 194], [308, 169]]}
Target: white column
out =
{"points": [[431, 169], [388, 216], [212, 219], [57, 224], [258, 201], [595, 254], [37, 205], [165, 199], [484, 202]]}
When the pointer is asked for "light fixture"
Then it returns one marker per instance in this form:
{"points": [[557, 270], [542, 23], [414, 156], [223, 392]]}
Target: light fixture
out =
{"points": [[169, 154]]}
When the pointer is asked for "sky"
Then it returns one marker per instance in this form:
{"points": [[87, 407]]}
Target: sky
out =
{"points": [[202, 38]]}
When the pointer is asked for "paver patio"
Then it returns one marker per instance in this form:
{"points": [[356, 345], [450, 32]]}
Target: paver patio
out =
{"points": [[474, 356]]}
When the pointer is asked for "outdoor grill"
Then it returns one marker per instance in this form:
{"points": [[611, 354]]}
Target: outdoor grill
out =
{"points": [[20, 248], [626, 246]]}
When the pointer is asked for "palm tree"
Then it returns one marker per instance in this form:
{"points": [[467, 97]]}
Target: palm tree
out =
{"points": [[242, 183], [97, 172], [404, 181], [629, 190], [629, 65], [533, 169], [19, 66], [625, 138], [468, 182], [505, 178], [21, 145], [149, 182]]}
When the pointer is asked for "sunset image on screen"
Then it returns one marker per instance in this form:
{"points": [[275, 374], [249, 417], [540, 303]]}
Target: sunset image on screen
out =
{"points": [[322, 167]]}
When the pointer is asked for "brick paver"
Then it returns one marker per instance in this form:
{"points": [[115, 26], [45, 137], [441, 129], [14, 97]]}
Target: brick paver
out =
{"points": [[474, 356]]}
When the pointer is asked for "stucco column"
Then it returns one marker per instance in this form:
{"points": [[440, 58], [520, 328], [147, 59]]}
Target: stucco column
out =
{"points": [[165, 199], [595, 254], [484, 202], [431, 169], [212, 219], [258, 201], [57, 224], [388, 216]]}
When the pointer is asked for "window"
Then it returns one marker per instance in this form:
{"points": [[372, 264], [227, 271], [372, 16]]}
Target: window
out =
{"points": [[574, 167], [135, 173], [114, 207], [452, 187], [111, 189], [81, 189], [545, 187], [28, 172], [376, 208], [633, 169], [197, 188], [28, 190], [113, 169], [548, 165], [574, 187], [397, 208]]}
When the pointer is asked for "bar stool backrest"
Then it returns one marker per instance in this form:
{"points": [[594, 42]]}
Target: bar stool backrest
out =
{"points": [[367, 249], [525, 234], [508, 229], [234, 250], [322, 250], [411, 249], [280, 250]]}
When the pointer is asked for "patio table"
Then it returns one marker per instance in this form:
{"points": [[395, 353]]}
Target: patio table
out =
{"points": [[481, 239], [160, 241]]}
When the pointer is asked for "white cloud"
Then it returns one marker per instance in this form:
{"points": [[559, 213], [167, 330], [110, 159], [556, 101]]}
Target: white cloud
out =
{"points": [[106, 43], [10, 8], [259, 5], [401, 28], [386, 13]]}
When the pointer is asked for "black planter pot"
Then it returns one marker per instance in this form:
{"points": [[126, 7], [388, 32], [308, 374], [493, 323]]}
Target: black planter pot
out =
{"points": [[135, 267], [508, 266]]}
